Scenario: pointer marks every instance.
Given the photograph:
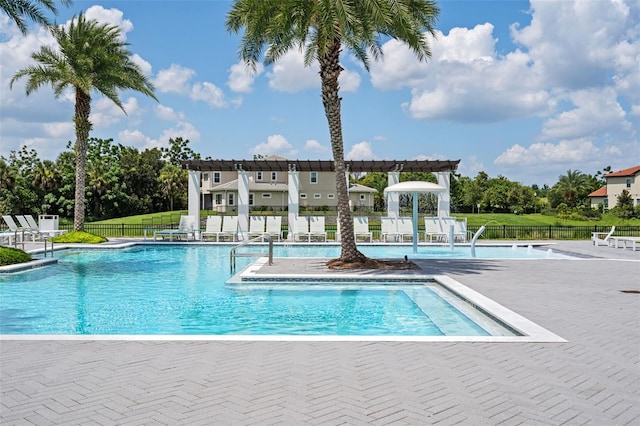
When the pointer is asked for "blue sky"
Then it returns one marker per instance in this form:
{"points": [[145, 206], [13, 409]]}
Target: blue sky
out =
{"points": [[524, 89]]}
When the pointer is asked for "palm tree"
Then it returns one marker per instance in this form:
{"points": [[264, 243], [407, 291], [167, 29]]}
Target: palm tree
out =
{"points": [[90, 56], [321, 28], [18, 10], [571, 185]]}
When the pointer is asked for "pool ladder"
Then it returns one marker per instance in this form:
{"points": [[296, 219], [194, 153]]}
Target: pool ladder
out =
{"points": [[234, 251]]}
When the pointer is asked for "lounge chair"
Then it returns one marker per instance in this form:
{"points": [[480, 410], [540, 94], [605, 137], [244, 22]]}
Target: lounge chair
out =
{"points": [[388, 229], [301, 229], [186, 227], [32, 231], [229, 227], [632, 241], [48, 232], [213, 227], [17, 231], [460, 232], [256, 226], [274, 226], [405, 228], [361, 228], [316, 228], [602, 237], [433, 229]]}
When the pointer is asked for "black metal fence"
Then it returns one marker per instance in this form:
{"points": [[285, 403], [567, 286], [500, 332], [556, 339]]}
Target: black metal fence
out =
{"points": [[491, 232]]}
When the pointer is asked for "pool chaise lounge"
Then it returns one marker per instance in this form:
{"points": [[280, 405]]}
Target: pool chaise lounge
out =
{"points": [[186, 227], [632, 241], [602, 238]]}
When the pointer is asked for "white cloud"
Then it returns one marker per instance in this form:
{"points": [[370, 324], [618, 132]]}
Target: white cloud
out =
{"points": [[565, 151], [144, 65], [109, 16], [105, 113], [471, 166], [59, 130], [209, 93], [315, 146], [290, 75], [168, 114], [174, 79], [242, 77], [275, 144], [138, 139], [360, 151], [183, 130]]}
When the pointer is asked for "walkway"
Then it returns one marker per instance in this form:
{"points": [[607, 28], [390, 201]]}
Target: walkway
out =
{"points": [[592, 379]]}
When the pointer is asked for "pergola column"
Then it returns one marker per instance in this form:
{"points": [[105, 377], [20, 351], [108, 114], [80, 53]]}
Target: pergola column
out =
{"points": [[193, 192], [393, 198], [243, 203], [294, 200], [444, 198]]}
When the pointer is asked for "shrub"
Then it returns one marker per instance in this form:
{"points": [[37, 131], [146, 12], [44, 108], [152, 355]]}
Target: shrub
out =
{"points": [[79, 237], [11, 256]]}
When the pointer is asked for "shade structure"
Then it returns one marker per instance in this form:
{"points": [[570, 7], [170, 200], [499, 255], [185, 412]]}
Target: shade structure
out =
{"points": [[415, 188]]}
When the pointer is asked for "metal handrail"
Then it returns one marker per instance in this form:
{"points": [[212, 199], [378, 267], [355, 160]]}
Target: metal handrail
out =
{"points": [[233, 254]]}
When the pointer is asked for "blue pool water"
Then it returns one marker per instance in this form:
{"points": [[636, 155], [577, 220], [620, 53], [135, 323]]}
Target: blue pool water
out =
{"points": [[178, 289]]}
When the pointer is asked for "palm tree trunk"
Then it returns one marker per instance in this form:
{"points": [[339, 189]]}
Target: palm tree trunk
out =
{"points": [[329, 72], [83, 126]]}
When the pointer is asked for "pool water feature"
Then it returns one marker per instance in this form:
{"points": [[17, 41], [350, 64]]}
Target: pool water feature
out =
{"points": [[182, 290]]}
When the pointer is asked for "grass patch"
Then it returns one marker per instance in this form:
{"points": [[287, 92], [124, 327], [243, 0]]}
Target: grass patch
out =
{"points": [[12, 256], [79, 237]]}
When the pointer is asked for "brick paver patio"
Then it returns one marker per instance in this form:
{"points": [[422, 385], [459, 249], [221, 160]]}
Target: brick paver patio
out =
{"points": [[592, 379]]}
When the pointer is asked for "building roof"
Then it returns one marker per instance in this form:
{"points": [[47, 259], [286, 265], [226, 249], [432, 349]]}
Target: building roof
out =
{"points": [[355, 187], [631, 171], [283, 165], [602, 192]]}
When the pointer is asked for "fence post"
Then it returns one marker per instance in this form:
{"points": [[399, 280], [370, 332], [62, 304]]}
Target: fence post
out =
{"points": [[122, 227], [549, 236]]}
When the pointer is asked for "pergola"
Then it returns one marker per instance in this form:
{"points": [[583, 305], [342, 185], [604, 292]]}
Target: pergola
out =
{"points": [[442, 168]]}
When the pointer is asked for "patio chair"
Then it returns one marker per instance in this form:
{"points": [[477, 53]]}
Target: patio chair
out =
{"points": [[33, 231], [48, 232], [229, 227], [186, 227], [256, 226], [316, 228], [460, 232], [213, 227], [388, 229], [361, 228], [301, 228], [17, 231], [405, 227], [433, 229], [602, 237], [274, 226]]}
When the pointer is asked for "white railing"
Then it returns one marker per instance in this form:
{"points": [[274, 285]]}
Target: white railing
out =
{"points": [[234, 251]]}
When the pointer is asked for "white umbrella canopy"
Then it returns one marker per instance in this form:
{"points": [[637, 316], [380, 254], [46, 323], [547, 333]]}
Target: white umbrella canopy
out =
{"points": [[415, 187]]}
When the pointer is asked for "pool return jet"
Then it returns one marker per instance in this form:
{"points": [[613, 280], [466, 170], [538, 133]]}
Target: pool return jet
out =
{"points": [[414, 188]]}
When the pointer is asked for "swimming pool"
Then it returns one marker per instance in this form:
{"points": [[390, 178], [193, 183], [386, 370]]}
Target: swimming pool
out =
{"points": [[177, 290]]}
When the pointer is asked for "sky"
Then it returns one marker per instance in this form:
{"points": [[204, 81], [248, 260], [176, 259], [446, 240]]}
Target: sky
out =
{"points": [[521, 89]]}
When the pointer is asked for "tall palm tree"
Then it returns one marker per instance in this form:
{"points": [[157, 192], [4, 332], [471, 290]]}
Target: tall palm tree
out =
{"points": [[18, 10], [90, 56], [571, 186], [321, 28]]}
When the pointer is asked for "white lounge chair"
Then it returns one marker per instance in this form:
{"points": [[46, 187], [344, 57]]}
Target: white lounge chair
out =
{"points": [[388, 229], [256, 226], [632, 241], [301, 229], [48, 232], [229, 227], [213, 227], [316, 228], [186, 227], [433, 229], [361, 228], [19, 231], [274, 226], [460, 231], [602, 238], [405, 227]]}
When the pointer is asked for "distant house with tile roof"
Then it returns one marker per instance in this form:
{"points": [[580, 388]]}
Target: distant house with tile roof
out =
{"points": [[618, 181]]}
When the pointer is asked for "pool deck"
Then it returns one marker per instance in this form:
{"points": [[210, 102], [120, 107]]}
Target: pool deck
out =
{"points": [[593, 378]]}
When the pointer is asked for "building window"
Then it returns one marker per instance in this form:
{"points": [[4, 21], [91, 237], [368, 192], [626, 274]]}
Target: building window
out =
{"points": [[303, 196], [317, 196], [266, 195], [216, 177], [218, 199], [205, 177], [606, 203], [638, 202], [231, 199], [362, 197], [274, 176], [628, 183], [258, 176], [331, 196], [313, 177], [250, 199]]}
